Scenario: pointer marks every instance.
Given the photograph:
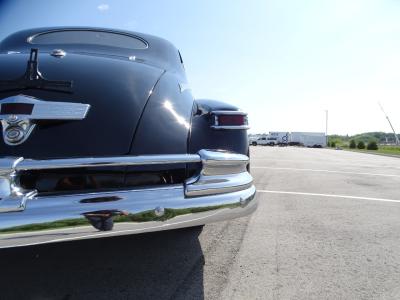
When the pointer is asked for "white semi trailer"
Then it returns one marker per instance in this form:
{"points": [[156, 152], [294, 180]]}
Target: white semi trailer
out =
{"points": [[282, 137], [308, 139]]}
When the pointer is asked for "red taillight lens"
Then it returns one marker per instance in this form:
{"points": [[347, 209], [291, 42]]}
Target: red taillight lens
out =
{"points": [[232, 120], [16, 109]]}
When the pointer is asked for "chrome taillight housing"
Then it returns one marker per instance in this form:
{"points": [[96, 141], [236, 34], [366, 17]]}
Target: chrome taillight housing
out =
{"points": [[227, 119]]}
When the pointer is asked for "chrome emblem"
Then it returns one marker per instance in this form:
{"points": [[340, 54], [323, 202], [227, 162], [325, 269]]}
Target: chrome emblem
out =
{"points": [[59, 53], [18, 122]]}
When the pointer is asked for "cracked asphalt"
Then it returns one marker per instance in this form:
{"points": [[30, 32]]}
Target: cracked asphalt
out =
{"points": [[327, 227]]}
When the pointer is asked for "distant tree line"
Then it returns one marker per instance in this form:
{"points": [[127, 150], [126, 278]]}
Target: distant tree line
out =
{"points": [[378, 137], [369, 140]]}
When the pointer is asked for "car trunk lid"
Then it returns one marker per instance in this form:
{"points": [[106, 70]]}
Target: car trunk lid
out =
{"points": [[116, 89]]}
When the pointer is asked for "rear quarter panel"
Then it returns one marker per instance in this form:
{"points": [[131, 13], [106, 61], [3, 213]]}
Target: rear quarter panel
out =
{"points": [[205, 137]]}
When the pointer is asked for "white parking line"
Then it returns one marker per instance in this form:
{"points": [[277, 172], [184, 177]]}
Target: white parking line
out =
{"points": [[337, 163], [328, 171], [328, 195]]}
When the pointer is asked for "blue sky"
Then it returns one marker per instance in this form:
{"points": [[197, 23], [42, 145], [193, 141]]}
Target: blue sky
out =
{"points": [[284, 62]]}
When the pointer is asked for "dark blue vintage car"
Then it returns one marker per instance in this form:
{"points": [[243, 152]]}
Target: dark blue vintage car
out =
{"points": [[102, 137]]}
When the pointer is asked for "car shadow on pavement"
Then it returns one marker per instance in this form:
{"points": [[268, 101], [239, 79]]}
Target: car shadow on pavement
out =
{"points": [[146, 266]]}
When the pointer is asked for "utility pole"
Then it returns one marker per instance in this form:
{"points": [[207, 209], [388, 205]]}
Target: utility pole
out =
{"points": [[326, 126], [391, 126]]}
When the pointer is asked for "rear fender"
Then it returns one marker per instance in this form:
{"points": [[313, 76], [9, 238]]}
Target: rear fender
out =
{"points": [[204, 136]]}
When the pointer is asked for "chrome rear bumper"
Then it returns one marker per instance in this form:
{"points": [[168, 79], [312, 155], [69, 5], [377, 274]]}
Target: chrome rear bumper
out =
{"points": [[222, 190]]}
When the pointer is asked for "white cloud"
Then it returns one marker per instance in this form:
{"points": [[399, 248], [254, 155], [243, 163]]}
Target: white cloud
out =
{"points": [[103, 7]]}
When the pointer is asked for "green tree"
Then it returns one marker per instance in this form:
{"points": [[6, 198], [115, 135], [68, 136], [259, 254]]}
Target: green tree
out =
{"points": [[352, 144], [372, 145], [361, 145], [333, 144]]}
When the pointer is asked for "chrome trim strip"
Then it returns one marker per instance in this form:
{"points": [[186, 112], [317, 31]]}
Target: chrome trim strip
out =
{"points": [[245, 127], [86, 162], [229, 112]]}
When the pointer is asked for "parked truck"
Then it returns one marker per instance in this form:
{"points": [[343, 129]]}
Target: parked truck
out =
{"points": [[264, 140]]}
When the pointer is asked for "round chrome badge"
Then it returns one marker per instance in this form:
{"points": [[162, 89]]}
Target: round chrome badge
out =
{"points": [[14, 134]]}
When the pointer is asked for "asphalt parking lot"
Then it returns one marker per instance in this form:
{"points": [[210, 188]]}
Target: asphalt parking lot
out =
{"points": [[327, 227]]}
